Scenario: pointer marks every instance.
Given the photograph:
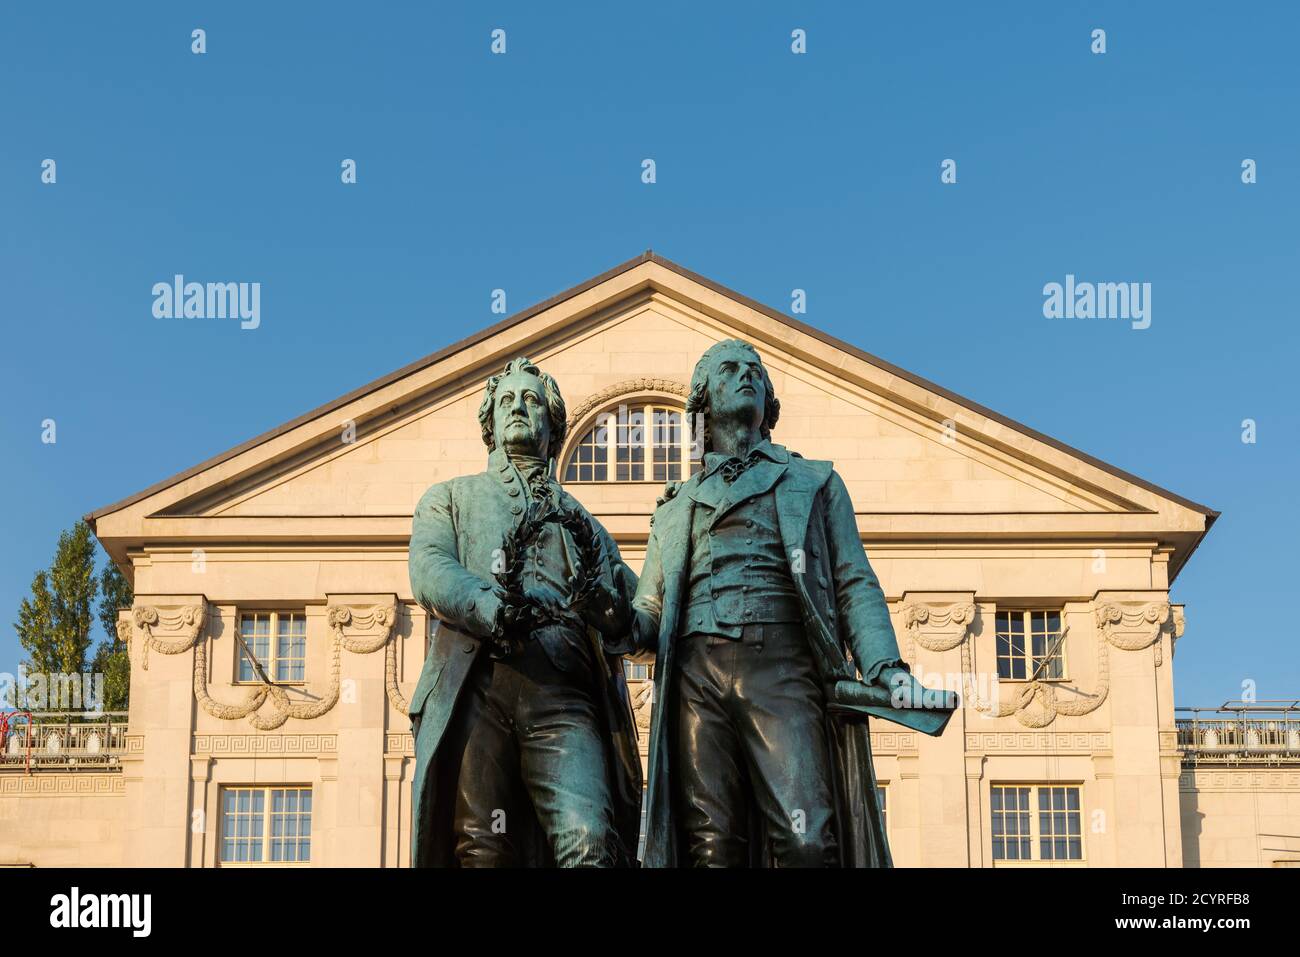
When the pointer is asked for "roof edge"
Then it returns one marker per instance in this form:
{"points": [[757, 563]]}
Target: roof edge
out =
{"points": [[650, 256], [931, 386], [367, 388]]}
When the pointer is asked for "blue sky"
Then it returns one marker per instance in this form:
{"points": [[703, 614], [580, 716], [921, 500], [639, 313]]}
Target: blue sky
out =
{"points": [[774, 171]]}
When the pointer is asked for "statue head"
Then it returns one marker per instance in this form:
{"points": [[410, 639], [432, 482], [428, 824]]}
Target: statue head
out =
{"points": [[522, 411], [730, 383]]}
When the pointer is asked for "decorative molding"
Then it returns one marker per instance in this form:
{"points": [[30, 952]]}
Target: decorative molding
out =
{"points": [[1180, 625], [643, 696], [1134, 625], [260, 744], [1127, 625], [626, 387], [337, 617], [401, 743], [61, 784], [1037, 742], [1203, 780], [187, 621], [937, 626], [893, 742], [380, 616], [1035, 703]]}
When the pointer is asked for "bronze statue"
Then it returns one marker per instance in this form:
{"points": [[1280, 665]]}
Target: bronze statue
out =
{"points": [[773, 642], [525, 745]]}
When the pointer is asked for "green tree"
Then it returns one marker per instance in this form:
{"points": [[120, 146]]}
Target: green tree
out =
{"points": [[111, 658], [55, 622]]}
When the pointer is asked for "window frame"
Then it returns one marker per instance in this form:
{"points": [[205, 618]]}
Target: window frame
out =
{"points": [[267, 812], [273, 656], [882, 801], [607, 418], [1035, 833], [1027, 633], [628, 674]]}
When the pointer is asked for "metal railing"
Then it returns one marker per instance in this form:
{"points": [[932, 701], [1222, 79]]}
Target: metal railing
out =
{"points": [[55, 740], [1238, 733]]}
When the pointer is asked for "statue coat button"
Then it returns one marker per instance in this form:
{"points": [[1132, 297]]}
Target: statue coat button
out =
{"points": [[513, 491], [515, 509], [469, 646]]}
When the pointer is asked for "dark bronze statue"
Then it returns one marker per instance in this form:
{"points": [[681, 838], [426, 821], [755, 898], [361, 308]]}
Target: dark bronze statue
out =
{"points": [[525, 745], [773, 643]]}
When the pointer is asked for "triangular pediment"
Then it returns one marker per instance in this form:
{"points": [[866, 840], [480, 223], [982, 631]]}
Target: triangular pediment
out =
{"points": [[911, 453]]}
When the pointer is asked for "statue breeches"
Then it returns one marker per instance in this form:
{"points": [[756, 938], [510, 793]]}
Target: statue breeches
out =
{"points": [[751, 739], [532, 747]]}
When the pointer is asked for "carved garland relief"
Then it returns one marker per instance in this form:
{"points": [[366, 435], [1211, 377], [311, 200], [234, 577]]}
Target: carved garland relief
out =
{"points": [[1129, 626], [187, 622]]}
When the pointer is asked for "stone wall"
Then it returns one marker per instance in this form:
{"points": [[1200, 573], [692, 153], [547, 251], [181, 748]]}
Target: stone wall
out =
{"points": [[62, 819]]}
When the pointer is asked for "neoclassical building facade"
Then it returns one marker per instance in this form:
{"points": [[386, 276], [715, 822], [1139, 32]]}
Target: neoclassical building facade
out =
{"points": [[274, 639]]}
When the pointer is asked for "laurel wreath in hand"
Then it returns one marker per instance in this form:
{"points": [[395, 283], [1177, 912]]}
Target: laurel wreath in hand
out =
{"points": [[584, 584]]}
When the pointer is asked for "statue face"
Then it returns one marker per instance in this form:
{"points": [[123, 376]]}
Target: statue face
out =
{"points": [[520, 421], [736, 390]]}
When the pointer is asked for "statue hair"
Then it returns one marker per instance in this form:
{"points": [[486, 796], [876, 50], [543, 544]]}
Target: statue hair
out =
{"points": [[550, 393], [698, 400]]}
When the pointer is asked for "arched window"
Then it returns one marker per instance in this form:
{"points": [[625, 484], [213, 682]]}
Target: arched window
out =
{"points": [[637, 440]]}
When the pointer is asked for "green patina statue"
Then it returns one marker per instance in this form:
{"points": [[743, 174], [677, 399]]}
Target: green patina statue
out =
{"points": [[525, 744], [773, 644]]}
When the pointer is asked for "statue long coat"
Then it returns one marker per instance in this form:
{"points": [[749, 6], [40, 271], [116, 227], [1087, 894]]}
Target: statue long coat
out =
{"points": [[458, 525], [844, 609]]}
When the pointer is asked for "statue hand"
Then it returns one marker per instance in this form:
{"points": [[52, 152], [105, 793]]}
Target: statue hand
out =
{"points": [[890, 676], [645, 631], [510, 613], [547, 599], [598, 610]]}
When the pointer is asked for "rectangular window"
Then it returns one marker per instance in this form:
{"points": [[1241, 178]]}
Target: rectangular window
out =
{"points": [[590, 460], [882, 798], [629, 448], [1060, 835], [1036, 822], [290, 647], [1029, 645], [265, 825], [278, 641], [667, 445], [637, 672]]}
